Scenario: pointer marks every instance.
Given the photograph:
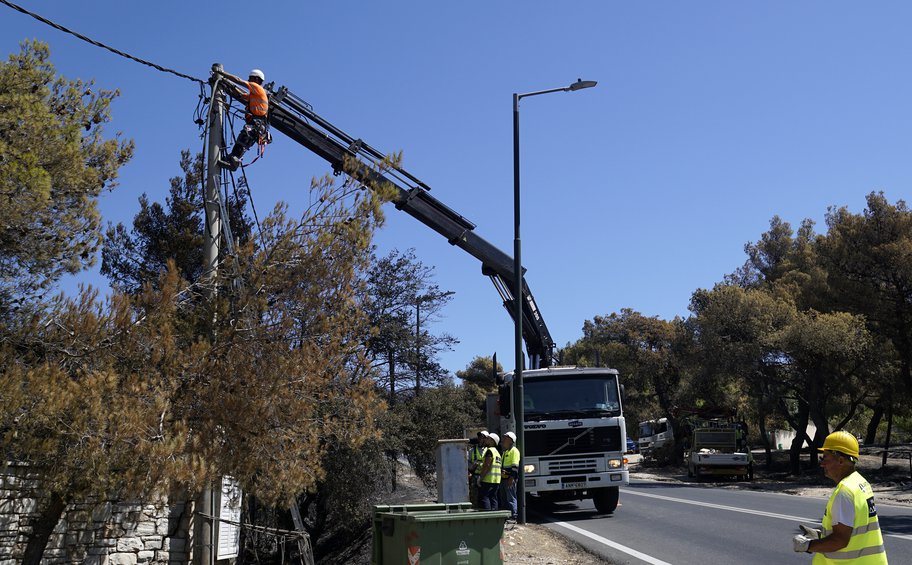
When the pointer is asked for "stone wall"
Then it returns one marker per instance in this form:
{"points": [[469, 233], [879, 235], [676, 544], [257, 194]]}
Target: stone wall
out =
{"points": [[93, 532]]}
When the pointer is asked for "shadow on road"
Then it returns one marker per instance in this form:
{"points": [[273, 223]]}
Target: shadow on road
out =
{"points": [[895, 524]]}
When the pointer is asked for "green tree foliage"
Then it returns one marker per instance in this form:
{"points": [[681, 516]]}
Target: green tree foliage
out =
{"points": [[398, 289], [869, 260], [478, 380], [55, 163], [438, 413], [652, 356], [173, 232], [156, 392]]}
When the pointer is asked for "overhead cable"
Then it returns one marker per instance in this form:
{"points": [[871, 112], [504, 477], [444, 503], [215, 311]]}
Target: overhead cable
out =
{"points": [[98, 44]]}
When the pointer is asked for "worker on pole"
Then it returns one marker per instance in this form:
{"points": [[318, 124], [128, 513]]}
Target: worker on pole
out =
{"points": [[851, 530], [256, 129]]}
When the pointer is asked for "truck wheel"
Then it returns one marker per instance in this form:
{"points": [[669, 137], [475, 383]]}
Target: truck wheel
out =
{"points": [[606, 499]]}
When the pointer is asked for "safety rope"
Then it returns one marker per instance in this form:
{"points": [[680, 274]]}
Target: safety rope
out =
{"points": [[98, 43]]}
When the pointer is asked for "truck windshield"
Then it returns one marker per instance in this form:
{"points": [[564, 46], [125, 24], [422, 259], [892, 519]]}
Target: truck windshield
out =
{"points": [[561, 398]]}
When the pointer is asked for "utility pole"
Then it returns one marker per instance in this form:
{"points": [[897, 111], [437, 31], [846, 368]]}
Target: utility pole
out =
{"points": [[213, 177], [205, 531]]}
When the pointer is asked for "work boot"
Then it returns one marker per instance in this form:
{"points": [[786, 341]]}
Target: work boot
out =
{"points": [[230, 162]]}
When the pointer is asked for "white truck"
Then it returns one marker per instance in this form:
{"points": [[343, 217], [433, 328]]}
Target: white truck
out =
{"points": [[575, 436], [654, 435], [714, 451]]}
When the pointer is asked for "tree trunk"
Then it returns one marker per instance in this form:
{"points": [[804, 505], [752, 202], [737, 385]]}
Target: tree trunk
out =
{"points": [[889, 430], [392, 378], [871, 432], [764, 437], [42, 527], [801, 423]]}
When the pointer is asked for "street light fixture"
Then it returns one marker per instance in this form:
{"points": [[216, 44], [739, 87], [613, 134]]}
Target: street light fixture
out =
{"points": [[518, 408]]}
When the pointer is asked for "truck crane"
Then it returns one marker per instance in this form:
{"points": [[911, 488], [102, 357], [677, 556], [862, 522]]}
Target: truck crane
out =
{"points": [[296, 119], [574, 425]]}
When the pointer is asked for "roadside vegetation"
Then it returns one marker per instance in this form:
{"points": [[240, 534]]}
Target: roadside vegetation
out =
{"points": [[308, 366]]}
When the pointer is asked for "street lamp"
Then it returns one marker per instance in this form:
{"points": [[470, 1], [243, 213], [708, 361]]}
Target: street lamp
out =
{"points": [[418, 301], [518, 408]]}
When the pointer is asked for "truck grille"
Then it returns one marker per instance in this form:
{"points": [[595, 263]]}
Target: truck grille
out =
{"points": [[541, 443], [570, 466]]}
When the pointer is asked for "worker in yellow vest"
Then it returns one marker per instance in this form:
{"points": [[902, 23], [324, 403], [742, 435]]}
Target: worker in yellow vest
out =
{"points": [[476, 459], [851, 531], [509, 474], [489, 475]]}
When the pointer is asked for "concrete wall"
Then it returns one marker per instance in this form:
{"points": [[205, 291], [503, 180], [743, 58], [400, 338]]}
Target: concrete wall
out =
{"points": [[97, 532]]}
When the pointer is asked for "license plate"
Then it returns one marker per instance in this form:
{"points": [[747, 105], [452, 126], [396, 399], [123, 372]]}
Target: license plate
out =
{"points": [[574, 485]]}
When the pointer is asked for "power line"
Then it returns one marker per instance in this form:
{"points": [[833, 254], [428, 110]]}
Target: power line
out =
{"points": [[98, 44]]}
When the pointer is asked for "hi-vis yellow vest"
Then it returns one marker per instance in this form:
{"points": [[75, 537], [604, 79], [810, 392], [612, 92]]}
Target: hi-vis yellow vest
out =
{"points": [[477, 457], [866, 544], [493, 475]]}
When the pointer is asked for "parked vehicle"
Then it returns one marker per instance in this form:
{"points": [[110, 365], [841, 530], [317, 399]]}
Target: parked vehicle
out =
{"points": [[655, 435], [714, 451], [632, 446]]}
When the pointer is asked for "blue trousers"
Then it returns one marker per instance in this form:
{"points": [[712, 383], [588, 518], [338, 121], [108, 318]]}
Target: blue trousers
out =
{"points": [[487, 494], [508, 496]]}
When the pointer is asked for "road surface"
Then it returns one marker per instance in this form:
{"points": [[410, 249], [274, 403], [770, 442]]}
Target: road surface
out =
{"points": [[670, 523]]}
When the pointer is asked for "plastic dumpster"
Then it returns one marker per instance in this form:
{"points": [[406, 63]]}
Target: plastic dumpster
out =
{"points": [[437, 534]]}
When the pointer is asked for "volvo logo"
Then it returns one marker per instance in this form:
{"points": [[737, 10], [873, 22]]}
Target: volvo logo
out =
{"points": [[534, 426], [575, 423]]}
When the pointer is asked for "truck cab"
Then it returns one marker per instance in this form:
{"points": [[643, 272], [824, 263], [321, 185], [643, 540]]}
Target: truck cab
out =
{"points": [[575, 435]]}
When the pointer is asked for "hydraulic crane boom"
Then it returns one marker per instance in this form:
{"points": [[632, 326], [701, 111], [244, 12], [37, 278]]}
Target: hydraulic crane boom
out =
{"points": [[296, 119]]}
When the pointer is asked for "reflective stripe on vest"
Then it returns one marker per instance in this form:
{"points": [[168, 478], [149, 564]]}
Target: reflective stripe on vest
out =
{"points": [[493, 474], [257, 101], [865, 547]]}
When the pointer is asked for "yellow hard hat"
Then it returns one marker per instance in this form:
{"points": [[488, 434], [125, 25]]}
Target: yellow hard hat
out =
{"points": [[841, 441]]}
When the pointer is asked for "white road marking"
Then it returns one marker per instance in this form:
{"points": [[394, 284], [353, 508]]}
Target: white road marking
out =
{"points": [[745, 510], [723, 507], [605, 541]]}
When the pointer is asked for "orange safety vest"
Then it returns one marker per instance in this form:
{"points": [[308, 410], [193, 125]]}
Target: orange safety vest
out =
{"points": [[257, 100]]}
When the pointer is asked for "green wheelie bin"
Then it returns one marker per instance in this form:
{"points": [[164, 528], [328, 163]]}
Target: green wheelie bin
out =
{"points": [[437, 534]]}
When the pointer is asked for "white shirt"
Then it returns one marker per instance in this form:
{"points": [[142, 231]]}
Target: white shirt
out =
{"points": [[843, 509]]}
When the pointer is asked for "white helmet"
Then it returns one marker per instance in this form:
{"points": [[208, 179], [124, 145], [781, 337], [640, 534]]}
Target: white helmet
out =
{"points": [[511, 435], [495, 437], [257, 73]]}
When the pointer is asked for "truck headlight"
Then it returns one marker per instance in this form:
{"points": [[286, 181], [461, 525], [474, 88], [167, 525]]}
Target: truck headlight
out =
{"points": [[529, 468], [615, 463]]}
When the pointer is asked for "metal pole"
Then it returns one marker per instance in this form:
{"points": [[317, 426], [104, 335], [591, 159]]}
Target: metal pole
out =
{"points": [[418, 345], [518, 408]]}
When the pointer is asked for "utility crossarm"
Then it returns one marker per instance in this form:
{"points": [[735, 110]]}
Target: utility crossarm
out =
{"points": [[296, 119]]}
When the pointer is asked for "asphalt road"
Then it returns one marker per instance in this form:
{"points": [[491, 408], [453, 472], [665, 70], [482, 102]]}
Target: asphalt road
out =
{"points": [[662, 523]]}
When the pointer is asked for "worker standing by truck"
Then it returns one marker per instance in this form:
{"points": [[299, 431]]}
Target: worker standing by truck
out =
{"points": [[851, 530], [476, 459], [510, 473], [489, 475]]}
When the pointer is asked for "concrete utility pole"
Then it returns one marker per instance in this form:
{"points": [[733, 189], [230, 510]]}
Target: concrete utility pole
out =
{"points": [[213, 176], [205, 531]]}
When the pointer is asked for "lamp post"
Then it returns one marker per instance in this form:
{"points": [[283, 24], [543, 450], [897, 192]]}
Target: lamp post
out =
{"points": [[418, 301], [518, 408]]}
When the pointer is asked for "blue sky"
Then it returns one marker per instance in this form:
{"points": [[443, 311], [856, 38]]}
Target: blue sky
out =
{"points": [[709, 118]]}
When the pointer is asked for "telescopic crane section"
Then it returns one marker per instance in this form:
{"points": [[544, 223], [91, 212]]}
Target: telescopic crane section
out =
{"points": [[296, 119]]}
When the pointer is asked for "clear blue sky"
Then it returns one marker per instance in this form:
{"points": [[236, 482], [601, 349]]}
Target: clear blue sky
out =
{"points": [[709, 118]]}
